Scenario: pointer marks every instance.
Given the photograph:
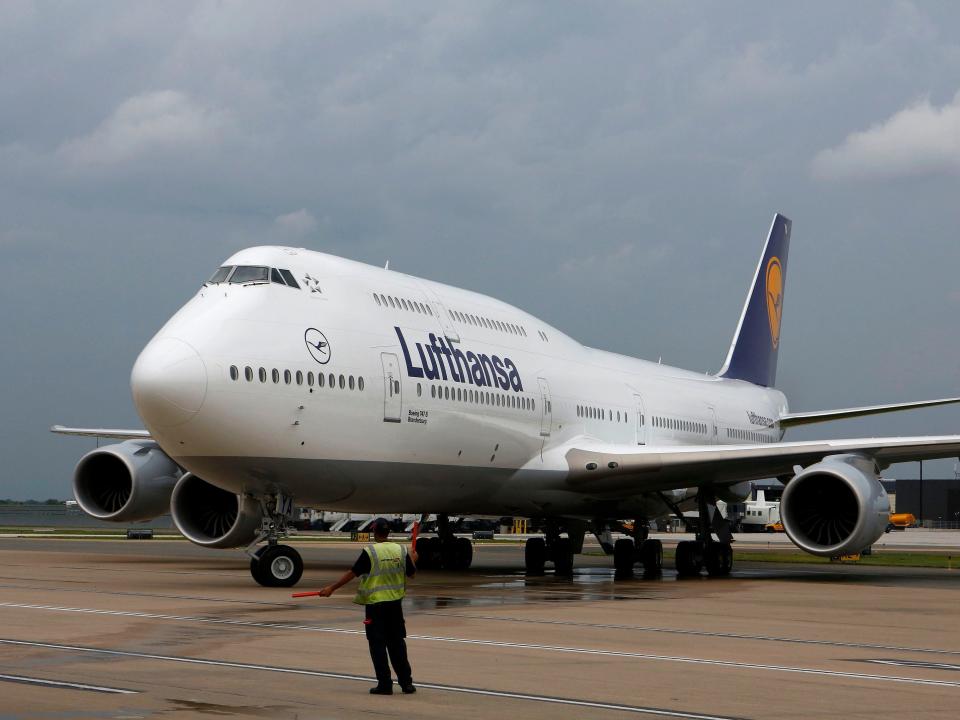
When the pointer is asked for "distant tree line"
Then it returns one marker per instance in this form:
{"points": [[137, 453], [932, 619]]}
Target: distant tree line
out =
{"points": [[48, 501]]}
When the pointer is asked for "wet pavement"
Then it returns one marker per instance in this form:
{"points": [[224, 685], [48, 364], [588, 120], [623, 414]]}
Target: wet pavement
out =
{"points": [[143, 629]]}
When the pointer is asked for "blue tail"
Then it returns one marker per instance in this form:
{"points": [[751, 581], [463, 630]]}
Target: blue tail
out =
{"points": [[753, 352]]}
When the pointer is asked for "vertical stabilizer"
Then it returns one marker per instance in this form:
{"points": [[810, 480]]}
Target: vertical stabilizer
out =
{"points": [[753, 352]]}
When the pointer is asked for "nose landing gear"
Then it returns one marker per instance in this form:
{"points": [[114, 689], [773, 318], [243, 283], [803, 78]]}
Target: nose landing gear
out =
{"points": [[275, 565]]}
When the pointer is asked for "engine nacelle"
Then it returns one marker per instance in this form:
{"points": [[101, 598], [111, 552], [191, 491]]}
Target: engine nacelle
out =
{"points": [[212, 517], [126, 482], [836, 507]]}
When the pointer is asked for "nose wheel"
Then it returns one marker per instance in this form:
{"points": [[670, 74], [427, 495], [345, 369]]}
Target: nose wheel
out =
{"points": [[276, 566]]}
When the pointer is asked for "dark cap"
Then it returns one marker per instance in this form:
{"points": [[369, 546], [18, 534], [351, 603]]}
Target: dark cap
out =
{"points": [[381, 527]]}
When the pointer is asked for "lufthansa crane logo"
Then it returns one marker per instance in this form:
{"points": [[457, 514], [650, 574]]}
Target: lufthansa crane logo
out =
{"points": [[774, 299], [317, 345]]}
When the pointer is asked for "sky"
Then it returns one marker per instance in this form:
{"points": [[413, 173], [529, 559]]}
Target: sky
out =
{"points": [[610, 167]]}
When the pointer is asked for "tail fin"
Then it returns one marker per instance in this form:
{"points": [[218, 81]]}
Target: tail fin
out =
{"points": [[753, 352]]}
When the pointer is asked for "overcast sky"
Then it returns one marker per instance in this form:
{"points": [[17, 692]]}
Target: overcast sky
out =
{"points": [[610, 167]]}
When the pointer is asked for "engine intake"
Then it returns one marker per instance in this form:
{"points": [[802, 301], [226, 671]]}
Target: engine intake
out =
{"points": [[126, 482], [835, 507], [213, 517]]}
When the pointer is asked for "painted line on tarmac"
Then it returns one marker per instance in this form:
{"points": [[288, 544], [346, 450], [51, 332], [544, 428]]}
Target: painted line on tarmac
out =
{"points": [[917, 664], [597, 652], [697, 633], [65, 685], [596, 705], [126, 593]]}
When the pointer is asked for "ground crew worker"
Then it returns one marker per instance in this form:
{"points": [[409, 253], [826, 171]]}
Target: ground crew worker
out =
{"points": [[383, 568]]}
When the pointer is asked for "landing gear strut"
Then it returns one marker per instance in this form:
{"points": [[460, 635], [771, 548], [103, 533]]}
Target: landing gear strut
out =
{"points": [[275, 565], [716, 555], [446, 551]]}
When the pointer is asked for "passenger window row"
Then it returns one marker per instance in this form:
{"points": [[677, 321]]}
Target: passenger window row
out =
{"points": [[252, 274], [748, 435], [485, 322], [389, 301], [478, 397], [595, 413], [543, 336], [298, 377], [678, 424]]}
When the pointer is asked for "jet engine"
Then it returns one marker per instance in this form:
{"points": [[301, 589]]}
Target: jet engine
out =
{"points": [[126, 482], [835, 507], [212, 517]]}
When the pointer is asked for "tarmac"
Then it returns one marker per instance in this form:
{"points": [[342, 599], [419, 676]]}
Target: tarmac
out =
{"points": [[160, 629]]}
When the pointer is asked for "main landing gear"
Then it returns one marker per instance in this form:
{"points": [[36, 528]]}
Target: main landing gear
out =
{"points": [[627, 552], [716, 555], [445, 551], [275, 565], [554, 548]]}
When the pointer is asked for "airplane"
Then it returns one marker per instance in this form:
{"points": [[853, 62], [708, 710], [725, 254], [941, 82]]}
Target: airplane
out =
{"points": [[298, 375]]}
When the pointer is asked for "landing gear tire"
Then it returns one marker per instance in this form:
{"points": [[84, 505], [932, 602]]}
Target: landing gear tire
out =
{"points": [[255, 565], [718, 559], [535, 555], [651, 555], [456, 553], [624, 556], [689, 559], [277, 566], [463, 551], [563, 557], [429, 551]]}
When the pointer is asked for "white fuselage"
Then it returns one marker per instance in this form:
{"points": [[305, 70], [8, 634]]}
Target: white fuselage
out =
{"points": [[486, 436]]}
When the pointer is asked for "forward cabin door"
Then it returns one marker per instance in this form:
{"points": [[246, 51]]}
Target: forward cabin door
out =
{"points": [[441, 313], [641, 421], [546, 410], [392, 401]]}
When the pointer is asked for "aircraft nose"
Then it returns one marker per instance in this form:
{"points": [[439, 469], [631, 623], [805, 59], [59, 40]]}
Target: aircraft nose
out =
{"points": [[169, 382]]}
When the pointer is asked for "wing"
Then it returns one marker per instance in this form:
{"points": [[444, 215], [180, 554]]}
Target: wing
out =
{"points": [[112, 434], [606, 468], [805, 418]]}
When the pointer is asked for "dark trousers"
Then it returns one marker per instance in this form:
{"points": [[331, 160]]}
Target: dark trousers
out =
{"points": [[386, 631]]}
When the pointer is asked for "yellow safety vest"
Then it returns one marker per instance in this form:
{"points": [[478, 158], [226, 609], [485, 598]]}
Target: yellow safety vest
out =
{"points": [[387, 579]]}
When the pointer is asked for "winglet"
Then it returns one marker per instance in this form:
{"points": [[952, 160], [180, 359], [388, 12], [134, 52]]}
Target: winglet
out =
{"points": [[753, 352]]}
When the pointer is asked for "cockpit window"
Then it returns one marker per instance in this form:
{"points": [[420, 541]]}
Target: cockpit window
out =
{"points": [[221, 274], [288, 276], [250, 273], [276, 277]]}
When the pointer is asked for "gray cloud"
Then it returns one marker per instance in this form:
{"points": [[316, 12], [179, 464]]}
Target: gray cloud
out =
{"points": [[919, 140]]}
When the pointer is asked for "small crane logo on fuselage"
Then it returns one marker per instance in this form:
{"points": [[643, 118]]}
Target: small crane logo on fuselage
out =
{"points": [[317, 345]]}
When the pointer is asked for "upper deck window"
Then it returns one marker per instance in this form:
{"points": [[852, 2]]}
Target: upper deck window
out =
{"points": [[250, 274]]}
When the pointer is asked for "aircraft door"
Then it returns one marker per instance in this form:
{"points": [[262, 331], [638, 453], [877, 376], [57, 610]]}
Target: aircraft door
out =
{"points": [[392, 400], [641, 421], [441, 313], [546, 408], [714, 427]]}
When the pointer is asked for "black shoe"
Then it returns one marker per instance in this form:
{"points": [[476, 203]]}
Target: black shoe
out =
{"points": [[408, 689], [382, 690]]}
